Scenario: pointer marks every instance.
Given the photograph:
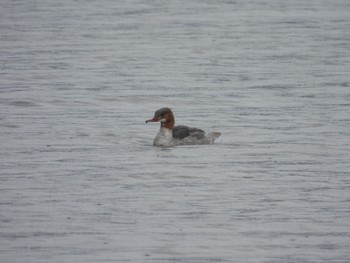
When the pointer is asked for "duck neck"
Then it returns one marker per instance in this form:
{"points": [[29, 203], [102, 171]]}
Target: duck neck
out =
{"points": [[169, 123]]}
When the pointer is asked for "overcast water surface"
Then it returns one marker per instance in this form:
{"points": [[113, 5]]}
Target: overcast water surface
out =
{"points": [[80, 179]]}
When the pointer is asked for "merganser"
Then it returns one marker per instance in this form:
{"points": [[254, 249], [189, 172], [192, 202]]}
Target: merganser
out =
{"points": [[170, 135]]}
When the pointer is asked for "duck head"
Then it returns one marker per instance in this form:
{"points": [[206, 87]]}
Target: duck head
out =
{"points": [[165, 116]]}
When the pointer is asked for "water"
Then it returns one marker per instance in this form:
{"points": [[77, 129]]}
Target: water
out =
{"points": [[80, 180]]}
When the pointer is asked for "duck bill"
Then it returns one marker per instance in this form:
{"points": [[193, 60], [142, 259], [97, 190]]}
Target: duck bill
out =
{"points": [[152, 120]]}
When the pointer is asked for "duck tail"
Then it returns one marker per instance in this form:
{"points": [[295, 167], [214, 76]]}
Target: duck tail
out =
{"points": [[213, 135]]}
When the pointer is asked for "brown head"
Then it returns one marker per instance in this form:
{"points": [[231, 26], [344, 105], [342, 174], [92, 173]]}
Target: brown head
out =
{"points": [[165, 117]]}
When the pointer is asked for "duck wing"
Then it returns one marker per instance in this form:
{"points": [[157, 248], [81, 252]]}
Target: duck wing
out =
{"points": [[182, 131]]}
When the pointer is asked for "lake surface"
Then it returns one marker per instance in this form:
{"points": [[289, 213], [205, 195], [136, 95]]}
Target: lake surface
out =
{"points": [[80, 179]]}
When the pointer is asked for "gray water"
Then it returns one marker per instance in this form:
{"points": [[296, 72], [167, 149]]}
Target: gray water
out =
{"points": [[80, 179]]}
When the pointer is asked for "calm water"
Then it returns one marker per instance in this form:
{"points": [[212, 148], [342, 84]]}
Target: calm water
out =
{"points": [[80, 180]]}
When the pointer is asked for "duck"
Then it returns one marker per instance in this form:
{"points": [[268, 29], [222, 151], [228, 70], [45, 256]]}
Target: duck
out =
{"points": [[171, 135]]}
